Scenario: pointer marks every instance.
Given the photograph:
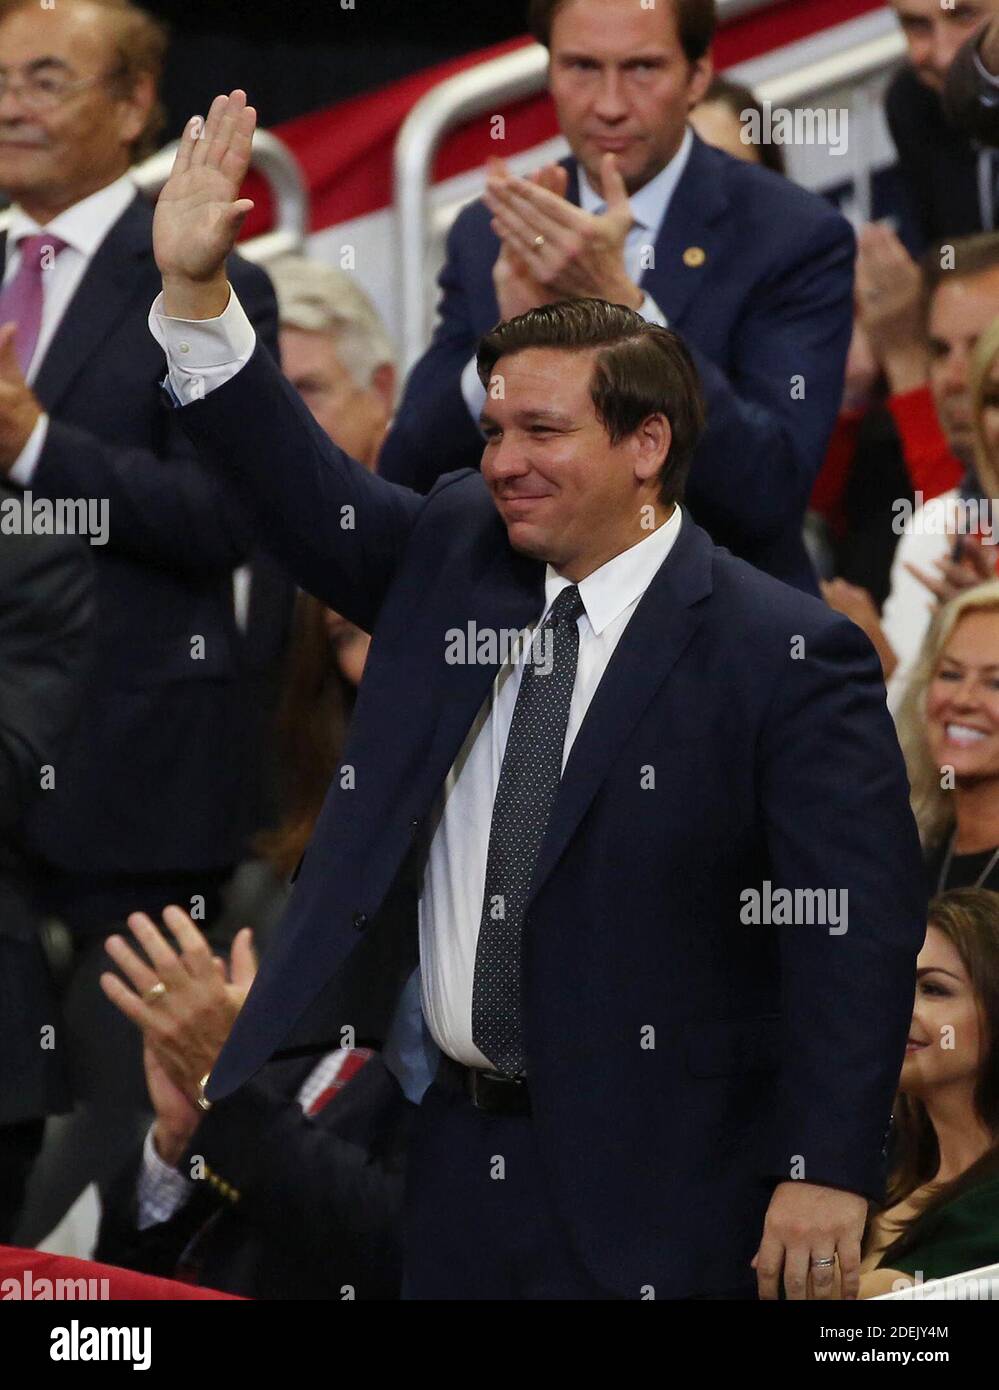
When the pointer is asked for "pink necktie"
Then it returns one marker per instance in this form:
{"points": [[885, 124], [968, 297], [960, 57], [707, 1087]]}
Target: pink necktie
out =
{"points": [[22, 297]]}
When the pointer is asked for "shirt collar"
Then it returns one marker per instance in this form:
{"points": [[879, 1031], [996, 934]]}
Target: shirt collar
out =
{"points": [[612, 588], [650, 203], [84, 225]]}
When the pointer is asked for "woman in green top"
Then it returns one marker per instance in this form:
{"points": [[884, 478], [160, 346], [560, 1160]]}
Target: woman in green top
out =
{"points": [[941, 1214]]}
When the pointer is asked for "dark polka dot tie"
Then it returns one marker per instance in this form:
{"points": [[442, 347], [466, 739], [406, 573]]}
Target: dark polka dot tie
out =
{"points": [[528, 784]]}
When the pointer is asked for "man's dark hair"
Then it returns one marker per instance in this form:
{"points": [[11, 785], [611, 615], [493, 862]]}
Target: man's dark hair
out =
{"points": [[959, 258], [639, 370], [695, 19]]}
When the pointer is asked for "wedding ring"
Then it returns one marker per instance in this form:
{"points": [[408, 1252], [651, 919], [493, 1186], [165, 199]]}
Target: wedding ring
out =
{"points": [[155, 992], [539, 241], [203, 1102], [823, 1264]]}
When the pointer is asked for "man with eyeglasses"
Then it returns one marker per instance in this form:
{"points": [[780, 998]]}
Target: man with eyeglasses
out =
{"points": [[144, 805]]}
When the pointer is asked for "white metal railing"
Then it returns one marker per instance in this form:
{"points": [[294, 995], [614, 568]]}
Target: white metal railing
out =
{"points": [[420, 230], [276, 164]]}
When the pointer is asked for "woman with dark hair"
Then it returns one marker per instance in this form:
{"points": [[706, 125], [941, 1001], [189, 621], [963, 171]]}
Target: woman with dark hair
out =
{"points": [[326, 657], [719, 119], [941, 1214], [323, 667]]}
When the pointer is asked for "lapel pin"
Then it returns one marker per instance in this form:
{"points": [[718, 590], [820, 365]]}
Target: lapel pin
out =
{"points": [[694, 256]]}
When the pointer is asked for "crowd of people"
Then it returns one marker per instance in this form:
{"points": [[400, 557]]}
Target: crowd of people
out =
{"points": [[179, 742]]}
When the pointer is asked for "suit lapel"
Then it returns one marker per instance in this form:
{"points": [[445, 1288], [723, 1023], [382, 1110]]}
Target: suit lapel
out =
{"points": [[660, 628], [102, 297], [690, 236]]}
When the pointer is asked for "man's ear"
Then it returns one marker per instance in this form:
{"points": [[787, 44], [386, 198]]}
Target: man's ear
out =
{"points": [[138, 104], [383, 383], [701, 74], [652, 442]]}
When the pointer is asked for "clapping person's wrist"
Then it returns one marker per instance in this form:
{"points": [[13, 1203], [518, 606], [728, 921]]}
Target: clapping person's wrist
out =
{"points": [[170, 1143]]}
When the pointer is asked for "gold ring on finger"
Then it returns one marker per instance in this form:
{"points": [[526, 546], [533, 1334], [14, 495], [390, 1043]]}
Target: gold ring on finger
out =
{"points": [[155, 992], [539, 241]]}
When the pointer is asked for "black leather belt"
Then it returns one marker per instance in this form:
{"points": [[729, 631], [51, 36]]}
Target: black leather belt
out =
{"points": [[487, 1090]]}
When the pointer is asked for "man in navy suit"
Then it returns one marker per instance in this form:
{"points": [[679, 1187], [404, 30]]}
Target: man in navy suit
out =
{"points": [[754, 272], [664, 882], [146, 804]]}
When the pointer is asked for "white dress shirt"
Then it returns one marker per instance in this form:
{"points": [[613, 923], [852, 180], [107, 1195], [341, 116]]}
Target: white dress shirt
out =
{"points": [[83, 228], [649, 207], [454, 879], [202, 355]]}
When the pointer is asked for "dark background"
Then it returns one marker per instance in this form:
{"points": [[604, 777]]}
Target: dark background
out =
{"points": [[294, 57]]}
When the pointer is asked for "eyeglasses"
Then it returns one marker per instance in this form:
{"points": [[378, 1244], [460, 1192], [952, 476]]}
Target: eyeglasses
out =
{"points": [[44, 91]]}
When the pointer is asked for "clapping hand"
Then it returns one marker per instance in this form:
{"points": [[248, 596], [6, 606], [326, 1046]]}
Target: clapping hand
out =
{"points": [[180, 998], [890, 308], [567, 252]]}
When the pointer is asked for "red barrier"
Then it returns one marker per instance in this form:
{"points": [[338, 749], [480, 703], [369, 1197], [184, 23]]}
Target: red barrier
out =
{"points": [[32, 1275]]}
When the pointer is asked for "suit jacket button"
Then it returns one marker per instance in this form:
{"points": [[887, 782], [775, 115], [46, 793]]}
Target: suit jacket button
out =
{"points": [[360, 921]]}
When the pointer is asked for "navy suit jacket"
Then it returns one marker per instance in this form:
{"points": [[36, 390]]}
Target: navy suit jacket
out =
{"points": [[679, 1058], [151, 781], [46, 625], [767, 315]]}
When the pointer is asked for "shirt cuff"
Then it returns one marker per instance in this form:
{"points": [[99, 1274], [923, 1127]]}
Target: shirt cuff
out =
{"points": [[473, 390], [27, 460], [651, 312], [162, 1190], [203, 354]]}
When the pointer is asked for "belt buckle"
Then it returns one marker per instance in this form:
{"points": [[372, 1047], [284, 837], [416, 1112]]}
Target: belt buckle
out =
{"points": [[485, 1082], [477, 1074]]}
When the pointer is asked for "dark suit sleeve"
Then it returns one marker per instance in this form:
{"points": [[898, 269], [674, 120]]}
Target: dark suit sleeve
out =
{"points": [[835, 803], [970, 100], [46, 614], [164, 506], [306, 1187], [433, 432], [338, 529], [771, 415], [902, 112], [155, 1249]]}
